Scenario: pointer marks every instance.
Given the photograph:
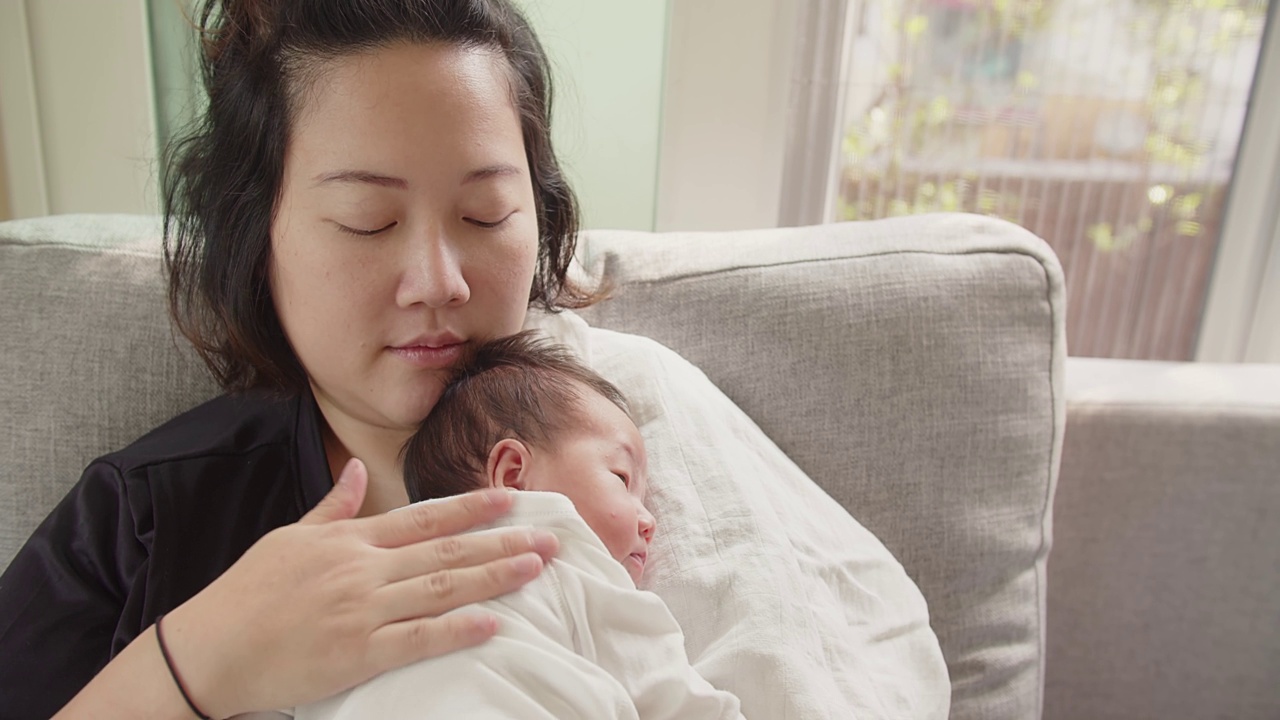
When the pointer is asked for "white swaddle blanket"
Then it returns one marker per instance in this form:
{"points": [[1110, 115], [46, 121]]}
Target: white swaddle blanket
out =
{"points": [[578, 643], [784, 599]]}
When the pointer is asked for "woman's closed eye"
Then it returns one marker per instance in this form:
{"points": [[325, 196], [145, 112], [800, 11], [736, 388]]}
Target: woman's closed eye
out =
{"points": [[623, 478], [365, 233], [488, 224]]}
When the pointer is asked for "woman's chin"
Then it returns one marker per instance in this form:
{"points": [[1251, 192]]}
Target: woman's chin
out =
{"points": [[398, 402], [411, 408], [399, 411]]}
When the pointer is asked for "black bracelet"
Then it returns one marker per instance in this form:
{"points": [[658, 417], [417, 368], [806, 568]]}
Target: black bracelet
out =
{"points": [[168, 661]]}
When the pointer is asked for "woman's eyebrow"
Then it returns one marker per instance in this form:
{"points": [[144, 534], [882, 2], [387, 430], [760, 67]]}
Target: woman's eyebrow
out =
{"points": [[489, 171], [372, 178], [361, 176]]}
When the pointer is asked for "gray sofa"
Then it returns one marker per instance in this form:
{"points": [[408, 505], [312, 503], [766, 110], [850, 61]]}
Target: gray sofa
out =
{"points": [[929, 350]]}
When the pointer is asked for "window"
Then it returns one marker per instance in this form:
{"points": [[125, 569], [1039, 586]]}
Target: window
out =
{"points": [[1110, 129]]}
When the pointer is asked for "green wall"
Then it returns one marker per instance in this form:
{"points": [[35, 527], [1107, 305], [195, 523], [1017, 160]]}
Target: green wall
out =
{"points": [[607, 57], [173, 65]]}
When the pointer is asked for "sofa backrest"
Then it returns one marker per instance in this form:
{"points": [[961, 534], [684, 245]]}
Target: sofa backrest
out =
{"points": [[913, 367]]}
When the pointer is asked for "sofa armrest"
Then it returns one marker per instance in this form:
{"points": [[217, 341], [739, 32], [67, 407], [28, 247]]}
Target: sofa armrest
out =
{"points": [[1165, 574]]}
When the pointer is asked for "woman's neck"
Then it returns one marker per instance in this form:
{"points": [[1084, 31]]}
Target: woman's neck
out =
{"points": [[378, 449]]}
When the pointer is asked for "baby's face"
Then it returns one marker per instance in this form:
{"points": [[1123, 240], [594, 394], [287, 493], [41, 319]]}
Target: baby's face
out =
{"points": [[599, 464]]}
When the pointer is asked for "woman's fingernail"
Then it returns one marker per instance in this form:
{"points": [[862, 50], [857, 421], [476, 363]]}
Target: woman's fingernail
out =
{"points": [[527, 564], [484, 626], [344, 474], [544, 543]]}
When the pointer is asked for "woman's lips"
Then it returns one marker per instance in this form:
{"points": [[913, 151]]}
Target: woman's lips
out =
{"points": [[429, 357]]}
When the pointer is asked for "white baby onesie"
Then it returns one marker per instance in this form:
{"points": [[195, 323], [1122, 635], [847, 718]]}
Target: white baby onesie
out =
{"points": [[578, 642]]}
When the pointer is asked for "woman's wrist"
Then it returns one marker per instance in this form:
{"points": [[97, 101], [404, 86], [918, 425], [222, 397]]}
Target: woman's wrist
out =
{"points": [[173, 671], [197, 653], [134, 685]]}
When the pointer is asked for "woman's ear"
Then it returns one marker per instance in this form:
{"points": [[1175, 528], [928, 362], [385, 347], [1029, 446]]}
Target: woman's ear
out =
{"points": [[508, 465]]}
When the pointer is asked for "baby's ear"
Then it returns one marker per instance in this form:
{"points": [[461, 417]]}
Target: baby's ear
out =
{"points": [[508, 465]]}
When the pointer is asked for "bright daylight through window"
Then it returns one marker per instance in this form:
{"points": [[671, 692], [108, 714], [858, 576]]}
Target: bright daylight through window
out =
{"points": [[1110, 129]]}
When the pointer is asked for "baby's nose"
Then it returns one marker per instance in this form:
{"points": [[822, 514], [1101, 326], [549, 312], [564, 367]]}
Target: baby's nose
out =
{"points": [[647, 525]]}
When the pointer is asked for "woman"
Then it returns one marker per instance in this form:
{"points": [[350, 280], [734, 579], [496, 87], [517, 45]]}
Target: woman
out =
{"points": [[370, 190]]}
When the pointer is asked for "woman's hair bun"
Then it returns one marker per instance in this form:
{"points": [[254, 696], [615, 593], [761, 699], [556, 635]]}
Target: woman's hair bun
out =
{"points": [[249, 26]]}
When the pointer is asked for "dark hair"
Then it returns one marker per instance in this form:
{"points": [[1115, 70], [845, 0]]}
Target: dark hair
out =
{"points": [[223, 177], [522, 387]]}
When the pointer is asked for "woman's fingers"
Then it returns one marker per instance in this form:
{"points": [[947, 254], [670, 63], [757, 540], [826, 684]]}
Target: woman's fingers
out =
{"points": [[343, 501], [328, 602], [304, 614], [399, 644], [461, 551], [427, 521], [440, 592]]}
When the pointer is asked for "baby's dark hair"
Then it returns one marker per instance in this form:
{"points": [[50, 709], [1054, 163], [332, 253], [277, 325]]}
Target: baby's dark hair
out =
{"points": [[523, 387]]}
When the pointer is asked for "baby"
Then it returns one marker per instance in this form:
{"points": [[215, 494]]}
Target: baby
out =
{"points": [[523, 414], [580, 641]]}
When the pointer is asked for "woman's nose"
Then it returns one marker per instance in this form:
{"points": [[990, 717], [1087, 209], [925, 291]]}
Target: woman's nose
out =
{"points": [[433, 275]]}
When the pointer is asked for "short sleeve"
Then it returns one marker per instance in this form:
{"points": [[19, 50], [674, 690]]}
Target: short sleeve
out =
{"points": [[63, 597]]}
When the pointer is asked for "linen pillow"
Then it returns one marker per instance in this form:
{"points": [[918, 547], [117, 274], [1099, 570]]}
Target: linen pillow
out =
{"points": [[785, 600]]}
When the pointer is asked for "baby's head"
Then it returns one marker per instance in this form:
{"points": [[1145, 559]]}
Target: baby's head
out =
{"points": [[522, 413]]}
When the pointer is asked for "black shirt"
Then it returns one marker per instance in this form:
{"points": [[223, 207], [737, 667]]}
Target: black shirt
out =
{"points": [[145, 529]]}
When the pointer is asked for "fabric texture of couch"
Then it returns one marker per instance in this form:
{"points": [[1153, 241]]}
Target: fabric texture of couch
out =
{"points": [[914, 368], [1164, 584]]}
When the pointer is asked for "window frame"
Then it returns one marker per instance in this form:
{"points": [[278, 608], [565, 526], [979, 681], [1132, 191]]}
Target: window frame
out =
{"points": [[1241, 318]]}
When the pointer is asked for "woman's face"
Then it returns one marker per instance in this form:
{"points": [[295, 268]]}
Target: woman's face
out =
{"points": [[406, 227]]}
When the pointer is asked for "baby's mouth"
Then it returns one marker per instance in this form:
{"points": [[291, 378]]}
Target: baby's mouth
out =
{"points": [[639, 559]]}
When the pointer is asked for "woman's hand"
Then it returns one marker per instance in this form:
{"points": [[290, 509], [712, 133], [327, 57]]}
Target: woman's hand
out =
{"points": [[316, 607]]}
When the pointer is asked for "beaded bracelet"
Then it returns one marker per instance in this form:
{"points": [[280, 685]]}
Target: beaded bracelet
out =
{"points": [[168, 661]]}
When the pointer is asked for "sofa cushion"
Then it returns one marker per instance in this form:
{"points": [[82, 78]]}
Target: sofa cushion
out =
{"points": [[89, 361], [912, 367]]}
